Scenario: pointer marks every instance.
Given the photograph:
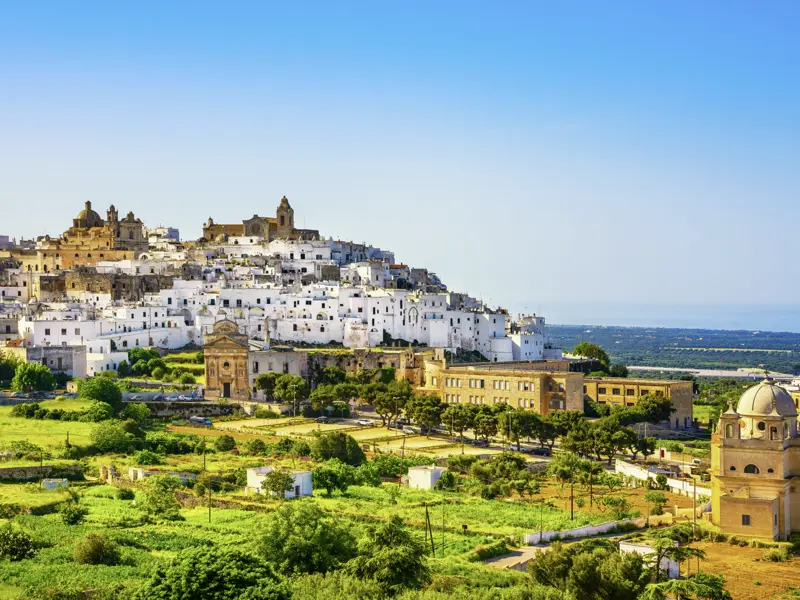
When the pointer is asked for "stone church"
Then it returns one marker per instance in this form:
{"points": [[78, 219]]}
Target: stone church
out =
{"points": [[226, 355], [267, 228], [755, 465]]}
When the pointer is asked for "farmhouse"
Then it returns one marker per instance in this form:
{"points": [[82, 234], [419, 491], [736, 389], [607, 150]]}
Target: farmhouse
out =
{"points": [[302, 482]]}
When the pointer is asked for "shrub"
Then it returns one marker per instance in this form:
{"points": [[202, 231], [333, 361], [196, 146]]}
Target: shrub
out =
{"points": [[124, 494], [498, 548], [99, 411], [159, 372], [300, 448], [32, 376], [147, 457], [73, 513], [224, 443], [777, 555], [102, 390], [96, 549], [186, 378], [15, 545]]}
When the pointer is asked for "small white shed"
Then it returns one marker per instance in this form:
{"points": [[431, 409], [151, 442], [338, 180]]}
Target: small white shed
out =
{"points": [[302, 482], [668, 566], [424, 477], [54, 484]]}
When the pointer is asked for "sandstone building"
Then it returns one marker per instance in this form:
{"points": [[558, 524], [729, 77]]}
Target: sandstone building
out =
{"points": [[755, 465], [266, 228], [624, 391], [226, 362]]}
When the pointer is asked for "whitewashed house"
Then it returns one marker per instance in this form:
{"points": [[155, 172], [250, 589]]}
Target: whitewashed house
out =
{"points": [[302, 482], [424, 477]]}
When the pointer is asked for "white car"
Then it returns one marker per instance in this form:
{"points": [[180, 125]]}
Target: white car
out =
{"points": [[171, 398], [365, 422]]}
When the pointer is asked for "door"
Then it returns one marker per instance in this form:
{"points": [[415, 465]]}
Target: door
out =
{"points": [[226, 390], [297, 491]]}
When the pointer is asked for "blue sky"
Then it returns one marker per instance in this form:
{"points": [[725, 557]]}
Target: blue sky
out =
{"points": [[531, 153]]}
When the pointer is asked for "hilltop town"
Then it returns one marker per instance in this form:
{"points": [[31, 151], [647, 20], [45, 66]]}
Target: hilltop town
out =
{"points": [[285, 382]]}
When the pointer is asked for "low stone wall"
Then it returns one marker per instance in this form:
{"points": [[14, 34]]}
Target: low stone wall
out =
{"points": [[580, 532], [683, 487], [43, 472], [187, 409]]}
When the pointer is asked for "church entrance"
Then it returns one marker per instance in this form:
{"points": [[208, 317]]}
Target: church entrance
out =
{"points": [[226, 390]]}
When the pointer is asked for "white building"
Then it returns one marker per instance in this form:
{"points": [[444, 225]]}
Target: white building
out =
{"points": [[302, 485], [424, 477]]}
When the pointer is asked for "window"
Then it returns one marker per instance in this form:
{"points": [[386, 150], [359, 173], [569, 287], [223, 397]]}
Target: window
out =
{"points": [[732, 468], [615, 391], [762, 426], [255, 366], [294, 327], [753, 469], [746, 520], [601, 390], [239, 303], [226, 365], [630, 392], [728, 430], [225, 303], [47, 332]]}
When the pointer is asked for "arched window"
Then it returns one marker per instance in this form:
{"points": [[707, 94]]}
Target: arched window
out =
{"points": [[733, 468], [773, 433], [322, 328], [751, 469], [786, 430], [729, 430], [770, 470]]}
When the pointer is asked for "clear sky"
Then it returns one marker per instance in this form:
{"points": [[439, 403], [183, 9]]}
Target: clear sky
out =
{"points": [[531, 153]]}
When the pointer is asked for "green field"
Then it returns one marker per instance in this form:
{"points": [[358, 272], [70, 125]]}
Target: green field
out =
{"points": [[45, 433]]}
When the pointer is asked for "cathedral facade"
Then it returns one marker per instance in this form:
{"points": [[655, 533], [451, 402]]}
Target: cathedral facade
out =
{"points": [[281, 226]]}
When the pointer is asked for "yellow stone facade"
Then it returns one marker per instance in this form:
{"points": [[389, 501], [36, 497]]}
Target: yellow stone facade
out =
{"points": [[90, 240], [755, 466], [519, 386], [622, 391], [226, 360], [266, 228]]}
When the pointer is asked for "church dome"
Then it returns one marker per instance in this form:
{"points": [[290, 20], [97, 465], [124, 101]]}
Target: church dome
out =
{"points": [[88, 218], [761, 399]]}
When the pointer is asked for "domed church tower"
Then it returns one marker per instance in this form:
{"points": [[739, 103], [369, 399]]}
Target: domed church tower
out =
{"points": [[755, 465]]}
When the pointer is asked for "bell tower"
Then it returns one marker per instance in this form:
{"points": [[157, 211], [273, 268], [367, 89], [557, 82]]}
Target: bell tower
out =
{"points": [[284, 219]]}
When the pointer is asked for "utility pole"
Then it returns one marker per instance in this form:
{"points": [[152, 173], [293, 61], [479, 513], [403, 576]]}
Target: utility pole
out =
{"points": [[429, 531], [209, 502], [443, 501], [572, 494]]}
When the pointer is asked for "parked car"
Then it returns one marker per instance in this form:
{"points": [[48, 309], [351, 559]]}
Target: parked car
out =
{"points": [[171, 398], [395, 425], [321, 419], [182, 398], [18, 395], [411, 429], [200, 421], [136, 398], [540, 451], [480, 443], [365, 422]]}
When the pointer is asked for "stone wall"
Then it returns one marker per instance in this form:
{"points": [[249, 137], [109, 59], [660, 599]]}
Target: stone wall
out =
{"points": [[36, 473], [188, 409]]}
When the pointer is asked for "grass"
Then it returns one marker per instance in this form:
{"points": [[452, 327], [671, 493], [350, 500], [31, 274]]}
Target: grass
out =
{"points": [[45, 433], [29, 494]]}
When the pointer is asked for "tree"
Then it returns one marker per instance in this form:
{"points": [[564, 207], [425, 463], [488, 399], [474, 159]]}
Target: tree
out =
{"points": [[389, 404], [563, 421], [657, 499], [8, 365], [302, 538], [136, 411], [665, 546], [654, 409], [266, 383], [512, 424], [594, 351], [392, 557], [330, 376], [618, 371], [213, 573], [225, 443], [110, 436], [102, 390], [158, 500], [456, 417], [33, 377], [124, 369], [323, 397], [333, 475], [700, 586], [335, 444], [485, 425], [291, 389], [277, 483], [645, 445], [425, 410]]}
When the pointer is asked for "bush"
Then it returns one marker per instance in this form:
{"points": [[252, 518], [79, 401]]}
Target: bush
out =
{"points": [[15, 545], [335, 444], [124, 494], [481, 553], [33, 377], [73, 513], [97, 549], [147, 457], [159, 372], [99, 411], [102, 390], [777, 555], [186, 379], [224, 443], [255, 446]]}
